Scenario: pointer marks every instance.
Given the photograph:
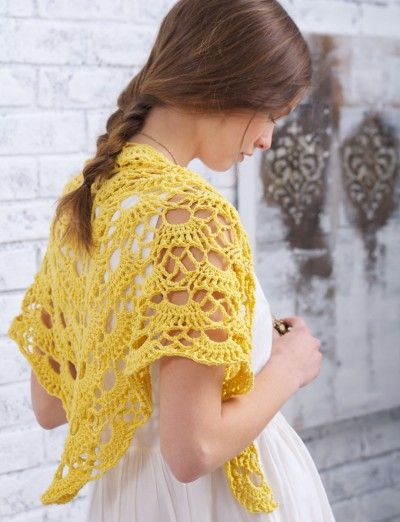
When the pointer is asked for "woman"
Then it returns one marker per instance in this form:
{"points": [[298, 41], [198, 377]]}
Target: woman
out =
{"points": [[218, 77]]}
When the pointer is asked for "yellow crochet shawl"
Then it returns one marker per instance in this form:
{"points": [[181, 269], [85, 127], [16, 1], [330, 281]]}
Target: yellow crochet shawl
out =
{"points": [[110, 316]]}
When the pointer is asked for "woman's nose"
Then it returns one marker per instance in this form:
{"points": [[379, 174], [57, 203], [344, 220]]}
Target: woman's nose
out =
{"points": [[264, 141], [263, 145]]}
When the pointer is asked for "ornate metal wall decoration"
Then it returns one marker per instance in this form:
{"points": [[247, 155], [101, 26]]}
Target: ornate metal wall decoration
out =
{"points": [[370, 167]]}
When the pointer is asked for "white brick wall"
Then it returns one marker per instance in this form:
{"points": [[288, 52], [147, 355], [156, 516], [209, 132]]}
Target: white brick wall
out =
{"points": [[63, 65], [359, 461]]}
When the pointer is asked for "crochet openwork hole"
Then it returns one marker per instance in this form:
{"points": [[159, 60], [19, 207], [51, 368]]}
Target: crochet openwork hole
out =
{"points": [[178, 297], [177, 216], [109, 379], [110, 323], [78, 267], [218, 335], [72, 369], [217, 260], [116, 215], [114, 259], [64, 471], [46, 318], [255, 478], [105, 435], [130, 201], [62, 317], [54, 364]]}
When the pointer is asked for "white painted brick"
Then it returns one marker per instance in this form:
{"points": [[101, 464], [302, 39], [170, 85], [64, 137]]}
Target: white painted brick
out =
{"points": [[42, 250], [357, 478], [395, 470], [322, 16], [15, 405], [368, 49], [350, 120], [292, 412], [39, 132], [35, 515], [3, 7], [96, 125], [39, 41], [362, 71], [21, 8], [55, 171], [18, 178], [13, 456], [378, 506], [380, 20], [391, 82], [270, 227], [358, 387], [347, 510], [14, 367], [130, 49], [86, 87], [18, 86], [19, 221], [82, 9], [389, 261], [347, 444], [380, 437], [20, 491], [53, 442], [17, 266], [314, 398], [75, 510], [366, 86], [276, 269], [10, 305], [148, 12]]}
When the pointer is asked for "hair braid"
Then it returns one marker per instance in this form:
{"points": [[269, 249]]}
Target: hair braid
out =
{"points": [[120, 126]]}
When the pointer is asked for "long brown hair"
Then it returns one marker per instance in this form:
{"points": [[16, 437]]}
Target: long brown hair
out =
{"points": [[214, 56]]}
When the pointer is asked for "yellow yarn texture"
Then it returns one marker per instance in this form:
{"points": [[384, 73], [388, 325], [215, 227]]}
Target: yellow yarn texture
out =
{"points": [[90, 326]]}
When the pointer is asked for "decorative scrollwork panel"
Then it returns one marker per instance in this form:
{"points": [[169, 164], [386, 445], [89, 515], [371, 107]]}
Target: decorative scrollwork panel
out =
{"points": [[370, 166]]}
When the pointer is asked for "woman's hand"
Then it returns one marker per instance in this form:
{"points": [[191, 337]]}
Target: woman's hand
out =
{"points": [[298, 350]]}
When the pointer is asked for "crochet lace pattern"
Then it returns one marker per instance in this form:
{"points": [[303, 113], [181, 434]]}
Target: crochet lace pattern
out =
{"points": [[90, 326]]}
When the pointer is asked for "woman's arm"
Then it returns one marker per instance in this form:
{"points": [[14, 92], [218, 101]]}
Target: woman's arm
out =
{"points": [[243, 417], [48, 409]]}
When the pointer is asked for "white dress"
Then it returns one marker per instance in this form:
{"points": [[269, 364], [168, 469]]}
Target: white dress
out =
{"points": [[141, 487]]}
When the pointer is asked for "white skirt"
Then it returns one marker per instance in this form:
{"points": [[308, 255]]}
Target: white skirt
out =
{"points": [[141, 487]]}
